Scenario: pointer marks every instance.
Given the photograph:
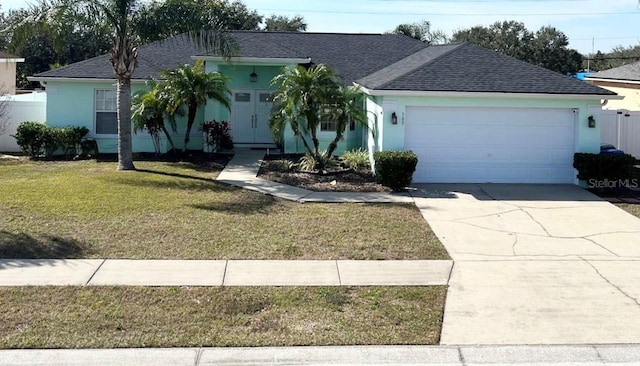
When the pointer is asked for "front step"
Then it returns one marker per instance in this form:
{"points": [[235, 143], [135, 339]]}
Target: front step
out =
{"points": [[255, 146]]}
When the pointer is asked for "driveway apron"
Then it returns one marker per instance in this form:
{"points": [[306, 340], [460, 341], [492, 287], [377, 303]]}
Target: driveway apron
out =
{"points": [[535, 264]]}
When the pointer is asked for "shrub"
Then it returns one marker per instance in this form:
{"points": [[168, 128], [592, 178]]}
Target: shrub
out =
{"points": [[70, 139], [310, 162], [357, 159], [218, 134], [36, 139], [284, 165], [602, 167], [394, 169], [31, 136]]}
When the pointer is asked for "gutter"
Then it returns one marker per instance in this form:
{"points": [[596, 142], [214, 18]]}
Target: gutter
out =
{"points": [[419, 93]]}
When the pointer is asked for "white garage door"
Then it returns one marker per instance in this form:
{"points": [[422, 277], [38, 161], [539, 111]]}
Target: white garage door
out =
{"points": [[497, 145]]}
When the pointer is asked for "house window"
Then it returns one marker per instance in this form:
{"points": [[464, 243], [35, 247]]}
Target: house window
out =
{"points": [[328, 124], [106, 112]]}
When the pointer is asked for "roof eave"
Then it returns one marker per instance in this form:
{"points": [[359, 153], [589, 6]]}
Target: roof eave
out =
{"points": [[254, 60], [624, 81], [421, 93], [7, 60], [78, 80]]}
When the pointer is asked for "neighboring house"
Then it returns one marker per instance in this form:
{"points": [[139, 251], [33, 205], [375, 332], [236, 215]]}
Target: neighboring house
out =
{"points": [[623, 80], [8, 72], [466, 111]]}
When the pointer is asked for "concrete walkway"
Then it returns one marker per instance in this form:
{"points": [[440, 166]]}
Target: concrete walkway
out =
{"points": [[119, 272], [347, 355], [242, 172], [536, 264]]}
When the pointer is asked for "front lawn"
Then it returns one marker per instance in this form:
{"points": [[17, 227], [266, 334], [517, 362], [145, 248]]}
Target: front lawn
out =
{"points": [[108, 317], [176, 210]]}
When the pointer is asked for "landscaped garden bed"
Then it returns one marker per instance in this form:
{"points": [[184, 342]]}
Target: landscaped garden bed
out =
{"points": [[283, 168]]}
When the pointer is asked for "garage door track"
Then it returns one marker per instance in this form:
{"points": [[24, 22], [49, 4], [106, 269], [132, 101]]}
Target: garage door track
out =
{"points": [[536, 264]]}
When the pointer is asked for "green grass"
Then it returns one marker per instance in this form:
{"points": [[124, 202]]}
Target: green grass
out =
{"points": [[175, 210], [108, 317]]}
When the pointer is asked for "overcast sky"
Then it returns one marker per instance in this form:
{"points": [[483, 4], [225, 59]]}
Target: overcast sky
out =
{"points": [[610, 23]]}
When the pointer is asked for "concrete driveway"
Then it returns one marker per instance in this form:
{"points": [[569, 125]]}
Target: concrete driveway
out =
{"points": [[536, 264]]}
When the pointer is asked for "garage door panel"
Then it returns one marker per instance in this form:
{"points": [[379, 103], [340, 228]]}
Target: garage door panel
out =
{"points": [[491, 144]]}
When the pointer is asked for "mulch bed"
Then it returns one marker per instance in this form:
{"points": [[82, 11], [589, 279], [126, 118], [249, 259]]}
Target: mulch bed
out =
{"points": [[338, 181]]}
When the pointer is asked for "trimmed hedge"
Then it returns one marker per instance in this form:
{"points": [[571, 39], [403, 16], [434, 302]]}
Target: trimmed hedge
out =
{"points": [[599, 167], [36, 139], [394, 169]]}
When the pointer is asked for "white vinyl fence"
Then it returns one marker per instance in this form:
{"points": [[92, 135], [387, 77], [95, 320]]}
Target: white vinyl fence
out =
{"points": [[622, 129], [20, 108]]}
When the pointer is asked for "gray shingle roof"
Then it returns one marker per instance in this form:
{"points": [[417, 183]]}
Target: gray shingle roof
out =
{"points": [[351, 56], [152, 59], [377, 61], [629, 72], [470, 68], [408, 64]]}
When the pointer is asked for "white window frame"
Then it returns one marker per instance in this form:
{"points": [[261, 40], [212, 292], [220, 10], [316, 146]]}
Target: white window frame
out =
{"points": [[96, 110]]}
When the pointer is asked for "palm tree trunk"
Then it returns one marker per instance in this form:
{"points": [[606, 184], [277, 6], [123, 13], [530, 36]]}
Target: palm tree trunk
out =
{"points": [[340, 128], [166, 133], [125, 147], [191, 118]]}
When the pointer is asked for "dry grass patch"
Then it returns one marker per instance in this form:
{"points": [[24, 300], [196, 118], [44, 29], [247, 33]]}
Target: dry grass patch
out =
{"points": [[177, 211], [633, 209], [108, 317]]}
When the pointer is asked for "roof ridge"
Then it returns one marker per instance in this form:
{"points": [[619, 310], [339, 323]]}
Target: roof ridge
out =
{"points": [[458, 46], [305, 32]]}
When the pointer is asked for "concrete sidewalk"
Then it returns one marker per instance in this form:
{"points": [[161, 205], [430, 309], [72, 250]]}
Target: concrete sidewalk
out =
{"points": [[122, 272], [342, 355], [242, 172]]}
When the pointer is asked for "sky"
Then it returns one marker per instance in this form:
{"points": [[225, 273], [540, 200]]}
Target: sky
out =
{"points": [[589, 24]]}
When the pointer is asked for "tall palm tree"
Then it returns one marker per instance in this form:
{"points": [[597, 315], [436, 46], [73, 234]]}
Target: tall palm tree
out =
{"points": [[123, 58], [120, 14], [300, 98], [192, 86]]}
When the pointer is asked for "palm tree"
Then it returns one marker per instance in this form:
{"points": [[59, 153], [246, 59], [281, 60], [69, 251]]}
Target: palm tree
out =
{"points": [[150, 110], [347, 107], [300, 98], [192, 86], [124, 61], [119, 15]]}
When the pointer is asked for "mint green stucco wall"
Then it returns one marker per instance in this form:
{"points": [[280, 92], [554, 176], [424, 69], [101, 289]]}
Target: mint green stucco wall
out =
{"points": [[72, 103], [391, 137], [239, 79]]}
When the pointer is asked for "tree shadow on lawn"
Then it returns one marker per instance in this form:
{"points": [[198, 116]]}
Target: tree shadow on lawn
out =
{"points": [[24, 246], [184, 181], [247, 204]]}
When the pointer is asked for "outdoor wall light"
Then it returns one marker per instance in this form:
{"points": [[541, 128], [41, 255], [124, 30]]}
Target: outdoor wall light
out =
{"points": [[253, 77], [592, 122], [394, 118]]}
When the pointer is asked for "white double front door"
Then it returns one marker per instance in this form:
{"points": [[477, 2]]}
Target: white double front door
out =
{"points": [[250, 110]]}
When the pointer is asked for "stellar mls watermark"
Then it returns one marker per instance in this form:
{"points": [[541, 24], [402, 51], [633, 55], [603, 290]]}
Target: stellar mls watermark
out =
{"points": [[614, 183]]}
